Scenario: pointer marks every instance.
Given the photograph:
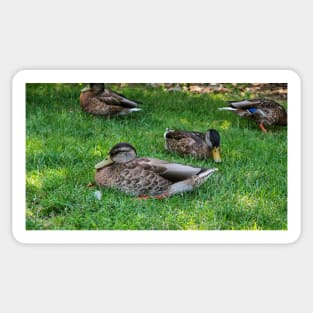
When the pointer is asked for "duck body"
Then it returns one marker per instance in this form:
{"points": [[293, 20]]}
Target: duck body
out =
{"points": [[265, 112], [98, 100], [197, 144], [147, 177]]}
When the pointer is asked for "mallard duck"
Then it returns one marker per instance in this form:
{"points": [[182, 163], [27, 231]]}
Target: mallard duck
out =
{"points": [[197, 144], [98, 100], [265, 112], [147, 177]]}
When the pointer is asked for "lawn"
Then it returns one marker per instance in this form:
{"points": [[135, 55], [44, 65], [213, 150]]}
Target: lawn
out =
{"points": [[249, 192]]}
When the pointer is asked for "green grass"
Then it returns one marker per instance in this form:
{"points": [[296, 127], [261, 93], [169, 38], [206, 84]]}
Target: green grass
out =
{"points": [[248, 192]]}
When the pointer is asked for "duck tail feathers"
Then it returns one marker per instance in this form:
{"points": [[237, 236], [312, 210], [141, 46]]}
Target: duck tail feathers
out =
{"points": [[228, 109], [134, 109], [168, 130], [190, 183], [205, 173]]}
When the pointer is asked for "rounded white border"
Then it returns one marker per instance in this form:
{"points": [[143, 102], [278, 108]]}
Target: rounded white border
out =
{"points": [[155, 76]]}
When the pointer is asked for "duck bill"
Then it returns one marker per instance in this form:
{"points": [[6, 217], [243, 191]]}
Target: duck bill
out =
{"points": [[216, 155], [85, 89], [107, 161]]}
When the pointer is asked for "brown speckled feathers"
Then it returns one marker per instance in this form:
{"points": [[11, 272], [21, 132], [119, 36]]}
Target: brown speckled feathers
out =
{"points": [[197, 144], [147, 176], [99, 100], [265, 112]]}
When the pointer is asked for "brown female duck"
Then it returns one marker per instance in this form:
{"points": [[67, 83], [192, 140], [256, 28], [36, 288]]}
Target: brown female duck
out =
{"points": [[98, 100], [265, 112], [197, 144], [147, 177]]}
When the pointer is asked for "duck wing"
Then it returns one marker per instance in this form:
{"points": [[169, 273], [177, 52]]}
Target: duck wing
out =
{"points": [[245, 104], [181, 134], [98, 107], [171, 171], [123, 96], [112, 98], [253, 103]]}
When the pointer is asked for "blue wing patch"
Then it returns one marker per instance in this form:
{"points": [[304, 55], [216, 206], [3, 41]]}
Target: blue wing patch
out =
{"points": [[252, 110]]}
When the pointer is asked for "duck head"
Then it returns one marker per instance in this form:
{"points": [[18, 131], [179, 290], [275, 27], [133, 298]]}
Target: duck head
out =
{"points": [[212, 138], [95, 87], [121, 153]]}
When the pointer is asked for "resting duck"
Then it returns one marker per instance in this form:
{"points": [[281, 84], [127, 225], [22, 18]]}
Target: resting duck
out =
{"points": [[197, 144], [265, 112], [147, 177], [98, 100]]}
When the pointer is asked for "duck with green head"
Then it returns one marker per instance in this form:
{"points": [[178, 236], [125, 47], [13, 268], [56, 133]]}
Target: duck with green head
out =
{"points": [[197, 144]]}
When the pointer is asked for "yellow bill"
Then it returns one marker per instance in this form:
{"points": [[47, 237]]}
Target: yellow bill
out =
{"points": [[85, 89], [216, 154], [107, 161]]}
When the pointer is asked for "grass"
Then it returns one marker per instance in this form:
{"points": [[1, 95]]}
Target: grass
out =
{"points": [[249, 192]]}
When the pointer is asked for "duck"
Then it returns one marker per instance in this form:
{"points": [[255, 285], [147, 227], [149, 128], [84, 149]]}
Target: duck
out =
{"points": [[147, 177], [99, 100], [265, 112], [197, 144]]}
